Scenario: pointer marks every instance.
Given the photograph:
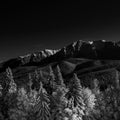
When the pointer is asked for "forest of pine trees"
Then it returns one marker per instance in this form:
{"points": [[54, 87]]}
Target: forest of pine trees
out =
{"points": [[55, 100]]}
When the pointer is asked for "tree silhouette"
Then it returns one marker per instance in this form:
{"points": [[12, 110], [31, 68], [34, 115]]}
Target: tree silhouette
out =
{"points": [[75, 92], [41, 108], [12, 84], [59, 97], [52, 82], [59, 78]]}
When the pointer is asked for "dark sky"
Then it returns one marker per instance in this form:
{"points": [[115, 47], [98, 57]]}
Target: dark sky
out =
{"points": [[27, 27]]}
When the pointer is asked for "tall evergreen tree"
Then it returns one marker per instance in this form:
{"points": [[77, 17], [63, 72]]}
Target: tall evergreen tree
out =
{"points": [[41, 108], [75, 91], [59, 97], [9, 73], [41, 77], [59, 78], [12, 84], [52, 78]]}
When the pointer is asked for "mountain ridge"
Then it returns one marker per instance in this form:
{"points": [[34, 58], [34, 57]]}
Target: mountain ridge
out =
{"points": [[22, 60], [91, 50]]}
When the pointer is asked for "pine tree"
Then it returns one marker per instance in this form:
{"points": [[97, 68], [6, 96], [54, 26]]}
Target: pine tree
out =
{"points": [[75, 91], [52, 78], [12, 84], [59, 98], [42, 105], [9, 73], [59, 78], [41, 77], [10, 97]]}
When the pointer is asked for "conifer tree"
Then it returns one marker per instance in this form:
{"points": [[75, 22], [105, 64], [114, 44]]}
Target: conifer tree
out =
{"points": [[42, 105], [52, 78], [75, 91], [59, 78], [59, 98], [9, 73], [12, 84], [10, 97]]}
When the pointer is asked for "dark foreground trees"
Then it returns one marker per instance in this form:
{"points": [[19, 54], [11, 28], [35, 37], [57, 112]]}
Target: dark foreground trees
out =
{"points": [[55, 100]]}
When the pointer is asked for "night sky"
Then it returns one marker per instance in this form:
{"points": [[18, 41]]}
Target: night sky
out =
{"points": [[27, 27]]}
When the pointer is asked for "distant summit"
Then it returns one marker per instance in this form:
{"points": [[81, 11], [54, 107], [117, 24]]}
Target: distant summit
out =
{"points": [[99, 49]]}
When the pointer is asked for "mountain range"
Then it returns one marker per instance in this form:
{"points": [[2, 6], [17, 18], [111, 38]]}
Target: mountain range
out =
{"points": [[81, 57]]}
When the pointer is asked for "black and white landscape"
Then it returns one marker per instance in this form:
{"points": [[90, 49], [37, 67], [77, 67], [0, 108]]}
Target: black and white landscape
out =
{"points": [[77, 82], [59, 60]]}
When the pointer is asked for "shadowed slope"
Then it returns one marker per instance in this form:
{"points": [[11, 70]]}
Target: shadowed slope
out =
{"points": [[80, 57]]}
